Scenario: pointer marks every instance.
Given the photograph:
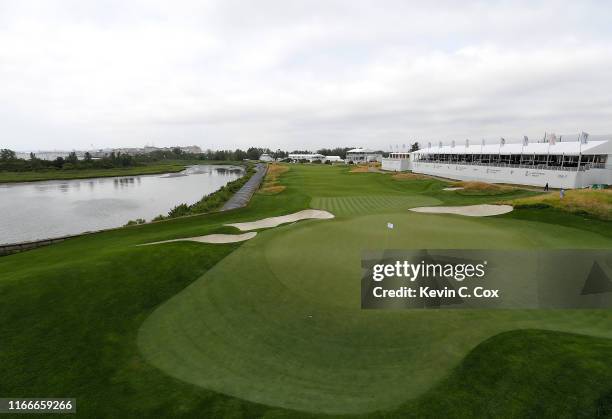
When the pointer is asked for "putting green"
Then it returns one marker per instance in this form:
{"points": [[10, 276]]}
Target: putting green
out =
{"points": [[278, 321]]}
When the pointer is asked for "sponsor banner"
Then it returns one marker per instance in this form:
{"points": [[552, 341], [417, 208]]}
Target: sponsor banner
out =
{"points": [[489, 279]]}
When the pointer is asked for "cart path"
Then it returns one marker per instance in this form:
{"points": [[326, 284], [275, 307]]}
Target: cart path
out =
{"points": [[243, 196]]}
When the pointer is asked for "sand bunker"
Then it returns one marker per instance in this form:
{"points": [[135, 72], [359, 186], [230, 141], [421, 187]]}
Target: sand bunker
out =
{"points": [[212, 238], [453, 189], [283, 219], [469, 210]]}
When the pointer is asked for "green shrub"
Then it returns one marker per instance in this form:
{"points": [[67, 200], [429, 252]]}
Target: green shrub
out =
{"points": [[179, 211], [136, 221]]}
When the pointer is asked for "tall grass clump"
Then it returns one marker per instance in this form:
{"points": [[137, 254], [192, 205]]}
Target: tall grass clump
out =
{"points": [[271, 183], [590, 202], [482, 188]]}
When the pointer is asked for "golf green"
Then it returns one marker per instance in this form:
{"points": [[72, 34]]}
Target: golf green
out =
{"points": [[279, 322]]}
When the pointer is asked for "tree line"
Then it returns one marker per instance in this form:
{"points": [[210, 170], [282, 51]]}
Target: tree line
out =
{"points": [[10, 162]]}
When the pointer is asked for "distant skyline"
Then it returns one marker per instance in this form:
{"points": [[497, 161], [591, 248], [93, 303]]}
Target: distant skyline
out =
{"points": [[300, 74]]}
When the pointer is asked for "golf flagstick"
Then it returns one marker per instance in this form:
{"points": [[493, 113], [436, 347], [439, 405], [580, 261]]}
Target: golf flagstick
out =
{"points": [[390, 226]]}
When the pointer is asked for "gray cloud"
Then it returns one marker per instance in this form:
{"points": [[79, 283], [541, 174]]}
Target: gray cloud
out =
{"points": [[299, 74]]}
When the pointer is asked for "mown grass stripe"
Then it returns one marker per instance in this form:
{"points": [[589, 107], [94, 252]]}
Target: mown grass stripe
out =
{"points": [[363, 205], [335, 206], [347, 205], [358, 207]]}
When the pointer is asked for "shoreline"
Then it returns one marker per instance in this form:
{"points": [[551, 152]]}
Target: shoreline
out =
{"points": [[113, 172], [17, 247]]}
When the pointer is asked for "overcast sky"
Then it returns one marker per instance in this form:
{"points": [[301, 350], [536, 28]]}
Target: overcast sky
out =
{"points": [[299, 74]]}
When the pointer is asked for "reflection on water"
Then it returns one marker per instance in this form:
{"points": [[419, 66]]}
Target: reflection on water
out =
{"points": [[38, 210]]}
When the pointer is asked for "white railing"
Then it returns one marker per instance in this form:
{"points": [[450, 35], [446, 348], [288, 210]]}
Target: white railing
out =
{"points": [[583, 167]]}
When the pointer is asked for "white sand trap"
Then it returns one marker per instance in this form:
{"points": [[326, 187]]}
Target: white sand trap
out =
{"points": [[212, 238], [453, 188], [283, 219], [468, 210]]}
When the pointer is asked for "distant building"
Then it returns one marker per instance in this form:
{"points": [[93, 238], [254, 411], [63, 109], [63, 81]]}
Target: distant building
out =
{"points": [[99, 153], [132, 151], [191, 149], [306, 156], [136, 151], [48, 155], [149, 149], [333, 159], [266, 157], [363, 155]]}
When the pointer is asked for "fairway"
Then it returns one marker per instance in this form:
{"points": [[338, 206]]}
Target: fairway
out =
{"points": [[278, 321], [359, 205]]}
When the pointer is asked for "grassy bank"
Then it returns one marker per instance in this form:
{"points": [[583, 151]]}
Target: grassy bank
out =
{"points": [[237, 331], [172, 166], [12, 177]]}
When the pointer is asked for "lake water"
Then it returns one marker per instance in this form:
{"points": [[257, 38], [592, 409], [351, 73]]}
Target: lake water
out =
{"points": [[40, 210]]}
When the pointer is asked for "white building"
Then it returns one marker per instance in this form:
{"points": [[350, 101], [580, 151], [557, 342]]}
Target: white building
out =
{"points": [[306, 156], [571, 164], [191, 149], [266, 157], [333, 159], [363, 155]]}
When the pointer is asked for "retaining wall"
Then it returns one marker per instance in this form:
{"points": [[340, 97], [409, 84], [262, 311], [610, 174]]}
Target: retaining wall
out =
{"points": [[7, 249]]}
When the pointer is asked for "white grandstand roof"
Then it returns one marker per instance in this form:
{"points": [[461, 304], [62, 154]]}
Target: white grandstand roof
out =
{"points": [[361, 150], [567, 148], [305, 155]]}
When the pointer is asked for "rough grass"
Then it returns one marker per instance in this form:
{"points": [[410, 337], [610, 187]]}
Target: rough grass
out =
{"points": [[360, 168], [471, 188], [271, 185], [482, 186], [525, 373], [596, 203]]}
